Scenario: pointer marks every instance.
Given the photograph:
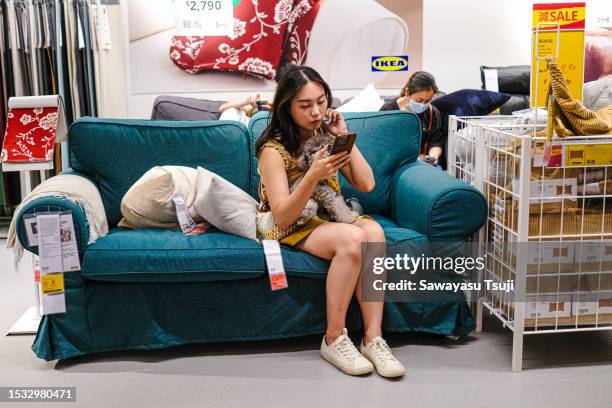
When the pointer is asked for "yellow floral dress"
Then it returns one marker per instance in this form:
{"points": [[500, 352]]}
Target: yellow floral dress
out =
{"points": [[266, 227]]}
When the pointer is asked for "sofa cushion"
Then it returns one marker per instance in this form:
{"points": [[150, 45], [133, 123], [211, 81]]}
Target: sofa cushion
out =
{"points": [[116, 153], [169, 256], [149, 202], [387, 140], [225, 206], [168, 107]]}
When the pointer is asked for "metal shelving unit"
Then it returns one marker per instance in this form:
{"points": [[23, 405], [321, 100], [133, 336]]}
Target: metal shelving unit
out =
{"points": [[549, 227]]}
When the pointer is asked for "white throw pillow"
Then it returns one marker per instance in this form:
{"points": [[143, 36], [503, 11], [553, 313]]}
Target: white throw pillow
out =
{"points": [[148, 203], [368, 100], [225, 206]]}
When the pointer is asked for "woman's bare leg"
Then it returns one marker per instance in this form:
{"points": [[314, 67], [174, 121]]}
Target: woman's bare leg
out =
{"points": [[342, 244], [372, 312]]}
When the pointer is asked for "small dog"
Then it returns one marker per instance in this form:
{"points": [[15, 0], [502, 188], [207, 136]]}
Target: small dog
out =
{"points": [[328, 198]]}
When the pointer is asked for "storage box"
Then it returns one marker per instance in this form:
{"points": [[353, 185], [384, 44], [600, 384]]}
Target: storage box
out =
{"points": [[586, 309], [545, 312], [594, 256], [548, 256], [548, 307], [593, 222]]}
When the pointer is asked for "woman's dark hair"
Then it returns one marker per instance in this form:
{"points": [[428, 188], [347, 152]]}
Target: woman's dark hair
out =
{"points": [[420, 81], [281, 123]]}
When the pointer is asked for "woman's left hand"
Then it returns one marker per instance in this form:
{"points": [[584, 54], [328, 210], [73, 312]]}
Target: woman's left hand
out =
{"points": [[336, 122]]}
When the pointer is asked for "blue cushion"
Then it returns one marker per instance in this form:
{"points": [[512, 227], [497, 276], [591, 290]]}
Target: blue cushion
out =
{"points": [[470, 102], [169, 256], [387, 140], [116, 153]]}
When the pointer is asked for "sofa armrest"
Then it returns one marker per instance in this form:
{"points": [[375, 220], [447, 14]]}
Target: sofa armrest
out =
{"points": [[53, 204], [430, 201], [70, 191]]}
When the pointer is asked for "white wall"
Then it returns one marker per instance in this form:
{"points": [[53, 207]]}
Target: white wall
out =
{"points": [[461, 35]]}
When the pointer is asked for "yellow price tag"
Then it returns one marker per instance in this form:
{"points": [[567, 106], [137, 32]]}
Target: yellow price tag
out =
{"points": [[599, 154], [53, 283]]}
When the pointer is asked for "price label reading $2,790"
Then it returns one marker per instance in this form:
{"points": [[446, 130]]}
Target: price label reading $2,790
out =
{"points": [[202, 18]]}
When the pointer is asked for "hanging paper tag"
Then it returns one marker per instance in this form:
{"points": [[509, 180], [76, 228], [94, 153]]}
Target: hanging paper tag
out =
{"points": [[203, 18], [49, 244], [274, 262], [29, 222], [53, 295], [70, 251], [36, 262], [104, 31], [182, 213], [52, 283], [50, 255], [553, 155], [200, 228]]}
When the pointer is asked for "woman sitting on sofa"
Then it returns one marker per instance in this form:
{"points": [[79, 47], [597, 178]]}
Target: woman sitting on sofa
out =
{"points": [[298, 111], [416, 97]]}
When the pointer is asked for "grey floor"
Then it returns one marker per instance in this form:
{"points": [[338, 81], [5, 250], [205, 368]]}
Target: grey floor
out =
{"points": [[563, 370]]}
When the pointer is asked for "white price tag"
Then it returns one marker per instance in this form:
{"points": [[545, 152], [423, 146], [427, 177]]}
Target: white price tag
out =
{"points": [[70, 251], [202, 18], [49, 244], [274, 262], [102, 26], [182, 213], [50, 254], [491, 80]]}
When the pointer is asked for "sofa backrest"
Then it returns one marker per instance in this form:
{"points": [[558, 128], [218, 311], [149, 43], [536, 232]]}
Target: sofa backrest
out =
{"points": [[117, 152], [387, 140]]}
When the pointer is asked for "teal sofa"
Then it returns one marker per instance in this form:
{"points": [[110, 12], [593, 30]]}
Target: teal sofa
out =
{"points": [[149, 289]]}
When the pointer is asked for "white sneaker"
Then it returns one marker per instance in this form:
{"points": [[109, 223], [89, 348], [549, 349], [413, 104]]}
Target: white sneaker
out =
{"points": [[343, 354], [379, 353]]}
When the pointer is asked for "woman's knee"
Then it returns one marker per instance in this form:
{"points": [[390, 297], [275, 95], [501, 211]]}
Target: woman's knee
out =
{"points": [[373, 231], [350, 240]]}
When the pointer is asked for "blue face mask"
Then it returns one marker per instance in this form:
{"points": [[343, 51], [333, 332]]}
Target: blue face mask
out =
{"points": [[417, 107]]}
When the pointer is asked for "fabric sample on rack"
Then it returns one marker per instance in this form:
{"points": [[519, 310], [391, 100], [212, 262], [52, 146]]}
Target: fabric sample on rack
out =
{"points": [[112, 96], [22, 21]]}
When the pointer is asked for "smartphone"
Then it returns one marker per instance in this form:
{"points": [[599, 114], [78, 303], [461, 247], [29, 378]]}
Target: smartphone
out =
{"points": [[342, 143], [429, 159], [262, 105]]}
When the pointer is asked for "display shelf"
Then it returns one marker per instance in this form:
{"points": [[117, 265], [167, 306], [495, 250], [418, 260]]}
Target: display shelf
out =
{"points": [[549, 224]]}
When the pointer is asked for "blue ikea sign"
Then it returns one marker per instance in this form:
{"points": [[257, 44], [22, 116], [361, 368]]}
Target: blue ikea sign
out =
{"points": [[390, 63]]}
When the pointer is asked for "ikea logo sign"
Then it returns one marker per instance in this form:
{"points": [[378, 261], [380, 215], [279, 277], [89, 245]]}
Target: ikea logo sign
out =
{"points": [[390, 63]]}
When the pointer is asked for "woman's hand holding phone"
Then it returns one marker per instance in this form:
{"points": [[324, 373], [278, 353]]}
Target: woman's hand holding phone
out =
{"points": [[323, 167]]}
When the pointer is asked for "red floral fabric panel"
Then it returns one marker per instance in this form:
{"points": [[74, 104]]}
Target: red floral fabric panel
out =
{"points": [[30, 135]]}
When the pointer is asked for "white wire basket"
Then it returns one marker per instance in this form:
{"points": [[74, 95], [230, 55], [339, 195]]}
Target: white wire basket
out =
{"points": [[549, 224]]}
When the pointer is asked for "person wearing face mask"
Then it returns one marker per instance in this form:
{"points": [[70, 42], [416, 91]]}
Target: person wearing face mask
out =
{"points": [[416, 97]]}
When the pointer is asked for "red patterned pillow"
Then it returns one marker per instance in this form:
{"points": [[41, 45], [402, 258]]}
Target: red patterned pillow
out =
{"points": [[301, 20], [255, 48]]}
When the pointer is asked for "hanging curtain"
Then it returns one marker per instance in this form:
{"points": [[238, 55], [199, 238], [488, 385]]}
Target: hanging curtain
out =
{"points": [[48, 47]]}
